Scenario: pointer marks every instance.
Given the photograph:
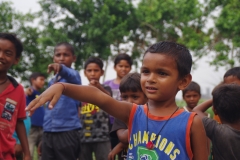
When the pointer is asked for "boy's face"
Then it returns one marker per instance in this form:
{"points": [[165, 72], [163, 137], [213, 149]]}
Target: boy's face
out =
{"points": [[7, 55], [231, 79], [93, 72], [159, 77], [191, 98], [63, 55], [122, 68], [38, 83], [134, 97]]}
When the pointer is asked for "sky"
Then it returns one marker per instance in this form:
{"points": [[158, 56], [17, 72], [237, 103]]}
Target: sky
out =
{"points": [[205, 75]]}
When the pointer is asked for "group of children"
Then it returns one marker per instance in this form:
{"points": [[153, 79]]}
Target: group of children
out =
{"points": [[138, 111]]}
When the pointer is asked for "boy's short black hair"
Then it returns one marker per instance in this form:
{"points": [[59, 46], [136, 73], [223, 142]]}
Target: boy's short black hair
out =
{"points": [[17, 42], [123, 56], [235, 72], [95, 60], [177, 51], [193, 86], [66, 44], [35, 75], [226, 101], [130, 82]]}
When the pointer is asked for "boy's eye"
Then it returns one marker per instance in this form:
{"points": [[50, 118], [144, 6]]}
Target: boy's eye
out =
{"points": [[162, 73], [124, 97], [144, 71], [135, 97], [8, 53]]}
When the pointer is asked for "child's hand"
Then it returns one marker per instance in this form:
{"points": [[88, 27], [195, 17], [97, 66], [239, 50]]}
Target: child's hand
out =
{"points": [[52, 94], [27, 157], [18, 149], [29, 91], [39, 150], [111, 155], [96, 84], [55, 67]]}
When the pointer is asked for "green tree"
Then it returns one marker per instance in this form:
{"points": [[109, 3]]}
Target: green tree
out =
{"points": [[18, 23], [92, 26], [181, 21], [225, 33]]}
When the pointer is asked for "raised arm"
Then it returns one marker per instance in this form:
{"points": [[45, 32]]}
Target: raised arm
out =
{"points": [[201, 108], [118, 109]]}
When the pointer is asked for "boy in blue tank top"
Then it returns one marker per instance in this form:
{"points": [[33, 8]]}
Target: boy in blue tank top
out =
{"points": [[159, 129]]}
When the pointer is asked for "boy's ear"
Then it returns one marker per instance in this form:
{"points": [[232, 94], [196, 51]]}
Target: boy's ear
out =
{"points": [[184, 82]]}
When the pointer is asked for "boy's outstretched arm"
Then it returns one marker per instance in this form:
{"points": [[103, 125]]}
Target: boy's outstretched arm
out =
{"points": [[22, 135], [199, 141], [118, 109], [201, 108]]}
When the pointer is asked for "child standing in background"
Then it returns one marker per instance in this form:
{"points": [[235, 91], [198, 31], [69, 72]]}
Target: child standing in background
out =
{"points": [[12, 100], [225, 137], [191, 95], [231, 76], [61, 139], [37, 81], [131, 91], [159, 129], [94, 134], [122, 66]]}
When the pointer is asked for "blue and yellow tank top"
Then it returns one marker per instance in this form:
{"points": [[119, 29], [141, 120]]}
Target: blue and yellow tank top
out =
{"points": [[172, 143]]}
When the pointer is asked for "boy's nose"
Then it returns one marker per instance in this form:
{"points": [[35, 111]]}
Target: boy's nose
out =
{"points": [[61, 57], [151, 78]]}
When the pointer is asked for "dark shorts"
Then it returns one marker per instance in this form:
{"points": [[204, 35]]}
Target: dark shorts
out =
{"points": [[61, 145]]}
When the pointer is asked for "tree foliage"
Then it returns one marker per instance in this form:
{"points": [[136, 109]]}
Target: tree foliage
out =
{"points": [[173, 20], [226, 31], [92, 26], [101, 27], [15, 22]]}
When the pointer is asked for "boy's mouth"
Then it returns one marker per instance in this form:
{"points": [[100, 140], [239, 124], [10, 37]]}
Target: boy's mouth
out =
{"points": [[151, 88]]}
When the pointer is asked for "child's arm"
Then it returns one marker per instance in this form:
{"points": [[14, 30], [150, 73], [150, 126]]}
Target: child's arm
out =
{"points": [[123, 135], [118, 109], [201, 108], [22, 135], [199, 141], [69, 74], [28, 91], [39, 148], [117, 149]]}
